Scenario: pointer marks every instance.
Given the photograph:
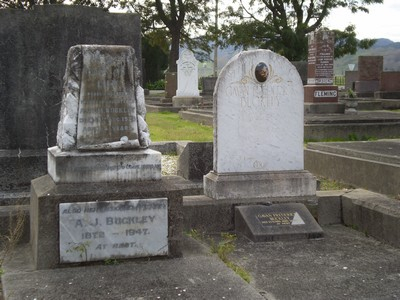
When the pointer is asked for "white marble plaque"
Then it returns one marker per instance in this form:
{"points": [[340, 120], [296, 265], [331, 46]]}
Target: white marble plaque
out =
{"points": [[91, 231], [188, 81], [258, 108]]}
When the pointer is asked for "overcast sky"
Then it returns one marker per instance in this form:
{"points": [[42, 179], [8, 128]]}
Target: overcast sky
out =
{"points": [[383, 21]]}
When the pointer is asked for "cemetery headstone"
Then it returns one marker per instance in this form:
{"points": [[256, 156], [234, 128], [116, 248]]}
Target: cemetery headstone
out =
{"points": [[102, 179], [262, 223], [187, 93], [258, 130], [208, 84], [320, 86], [369, 73], [350, 80], [389, 86], [103, 109]]}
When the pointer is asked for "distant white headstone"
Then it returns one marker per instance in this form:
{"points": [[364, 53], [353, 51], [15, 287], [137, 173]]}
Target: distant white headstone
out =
{"points": [[258, 115], [188, 81]]}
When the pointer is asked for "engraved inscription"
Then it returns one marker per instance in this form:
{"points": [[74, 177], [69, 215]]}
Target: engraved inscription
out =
{"points": [[107, 105], [100, 230]]}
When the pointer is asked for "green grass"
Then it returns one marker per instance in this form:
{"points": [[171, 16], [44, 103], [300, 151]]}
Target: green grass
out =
{"points": [[167, 126], [326, 184]]}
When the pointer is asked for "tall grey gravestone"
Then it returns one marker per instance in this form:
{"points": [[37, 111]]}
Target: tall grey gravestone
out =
{"points": [[258, 130], [188, 93], [102, 112]]}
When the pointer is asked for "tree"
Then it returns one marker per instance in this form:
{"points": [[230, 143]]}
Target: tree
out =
{"points": [[347, 43], [26, 4], [171, 24], [283, 25]]}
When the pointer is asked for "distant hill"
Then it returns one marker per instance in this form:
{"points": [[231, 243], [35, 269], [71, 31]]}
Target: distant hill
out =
{"points": [[383, 47]]}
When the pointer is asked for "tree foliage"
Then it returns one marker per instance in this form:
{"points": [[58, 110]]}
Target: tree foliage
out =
{"points": [[283, 25], [26, 4], [170, 24]]}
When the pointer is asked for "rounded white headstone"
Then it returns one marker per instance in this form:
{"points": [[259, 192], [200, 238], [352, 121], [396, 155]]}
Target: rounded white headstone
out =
{"points": [[259, 112]]}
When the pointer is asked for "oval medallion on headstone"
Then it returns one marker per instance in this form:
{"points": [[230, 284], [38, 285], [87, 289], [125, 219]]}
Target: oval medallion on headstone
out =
{"points": [[261, 72]]}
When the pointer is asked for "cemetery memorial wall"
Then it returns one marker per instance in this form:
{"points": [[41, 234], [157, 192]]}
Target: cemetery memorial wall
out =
{"points": [[33, 53]]}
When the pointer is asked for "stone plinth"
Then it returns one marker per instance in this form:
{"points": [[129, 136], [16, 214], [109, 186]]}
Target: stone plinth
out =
{"points": [[259, 185], [100, 166], [366, 88], [47, 198], [178, 101]]}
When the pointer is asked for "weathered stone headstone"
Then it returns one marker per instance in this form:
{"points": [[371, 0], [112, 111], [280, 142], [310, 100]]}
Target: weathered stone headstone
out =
{"points": [[320, 86], [91, 231], [369, 73], [187, 93], [103, 109], [261, 223], [258, 130]]}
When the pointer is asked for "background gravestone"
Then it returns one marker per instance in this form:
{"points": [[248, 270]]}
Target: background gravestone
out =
{"points": [[320, 86], [369, 73], [188, 93]]}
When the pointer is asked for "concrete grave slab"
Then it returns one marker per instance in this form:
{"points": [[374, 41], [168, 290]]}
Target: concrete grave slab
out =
{"points": [[263, 223]]}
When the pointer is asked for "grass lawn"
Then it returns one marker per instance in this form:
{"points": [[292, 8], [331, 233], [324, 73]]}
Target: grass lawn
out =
{"points": [[167, 126]]}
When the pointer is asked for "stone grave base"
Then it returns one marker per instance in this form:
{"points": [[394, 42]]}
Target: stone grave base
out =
{"points": [[320, 93], [259, 185], [366, 88], [47, 197], [387, 95], [178, 101], [102, 166], [262, 223]]}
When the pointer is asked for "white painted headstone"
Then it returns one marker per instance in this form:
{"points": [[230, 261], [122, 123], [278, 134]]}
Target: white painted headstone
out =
{"points": [[91, 231], [258, 115], [188, 80]]}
